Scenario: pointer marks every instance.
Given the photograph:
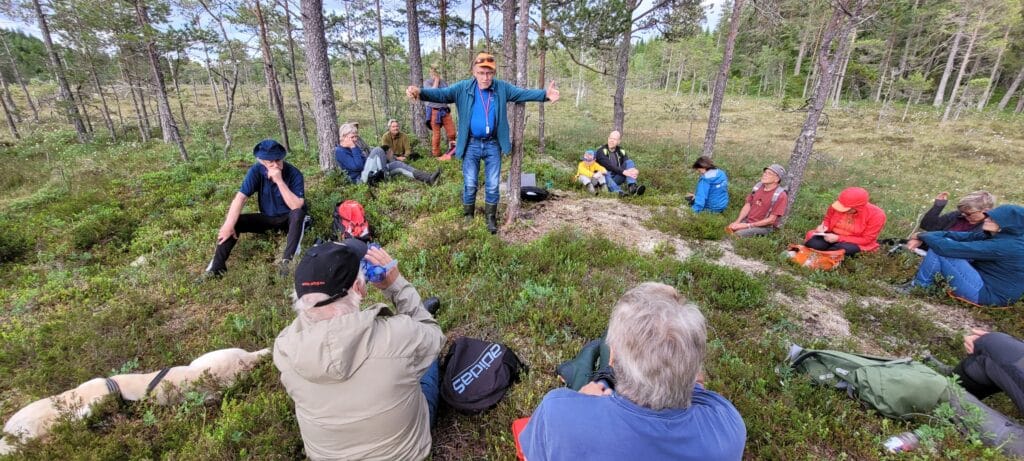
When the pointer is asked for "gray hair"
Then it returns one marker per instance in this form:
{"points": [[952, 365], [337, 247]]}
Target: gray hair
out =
{"points": [[979, 200], [346, 304], [390, 121], [658, 342], [347, 129]]}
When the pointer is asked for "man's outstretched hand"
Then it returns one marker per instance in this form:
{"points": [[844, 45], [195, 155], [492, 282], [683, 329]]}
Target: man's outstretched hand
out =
{"points": [[413, 92], [552, 92]]}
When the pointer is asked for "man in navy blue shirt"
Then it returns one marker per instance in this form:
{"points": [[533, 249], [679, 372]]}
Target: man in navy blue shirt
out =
{"points": [[658, 410], [280, 190], [483, 133]]}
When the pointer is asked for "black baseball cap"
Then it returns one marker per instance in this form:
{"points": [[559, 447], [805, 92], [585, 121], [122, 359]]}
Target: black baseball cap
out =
{"points": [[330, 268]]}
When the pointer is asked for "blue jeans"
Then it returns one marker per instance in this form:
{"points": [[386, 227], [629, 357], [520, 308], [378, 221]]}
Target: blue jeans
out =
{"points": [[618, 179], [488, 151], [964, 278], [430, 383]]}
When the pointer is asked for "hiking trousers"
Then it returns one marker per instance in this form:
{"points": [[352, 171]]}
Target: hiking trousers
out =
{"points": [[997, 364], [818, 243], [259, 223]]}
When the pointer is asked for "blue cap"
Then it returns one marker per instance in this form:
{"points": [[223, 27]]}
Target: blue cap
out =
{"points": [[590, 152], [268, 149]]}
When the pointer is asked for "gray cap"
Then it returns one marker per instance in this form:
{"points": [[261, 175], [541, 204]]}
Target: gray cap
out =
{"points": [[777, 169]]}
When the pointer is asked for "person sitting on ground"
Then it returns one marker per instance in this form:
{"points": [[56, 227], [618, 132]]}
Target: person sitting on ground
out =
{"points": [[968, 217], [765, 204], [371, 167], [590, 173], [851, 224], [984, 267], [439, 115], [397, 143], [659, 408], [365, 382], [280, 189], [621, 169], [712, 188]]}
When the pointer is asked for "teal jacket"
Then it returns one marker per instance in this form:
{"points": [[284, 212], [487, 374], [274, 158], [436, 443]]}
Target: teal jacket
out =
{"points": [[462, 94]]}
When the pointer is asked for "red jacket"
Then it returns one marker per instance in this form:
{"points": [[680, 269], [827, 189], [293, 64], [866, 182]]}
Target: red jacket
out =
{"points": [[860, 228]]}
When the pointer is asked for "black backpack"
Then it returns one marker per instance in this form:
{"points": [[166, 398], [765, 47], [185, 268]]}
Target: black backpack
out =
{"points": [[477, 374]]}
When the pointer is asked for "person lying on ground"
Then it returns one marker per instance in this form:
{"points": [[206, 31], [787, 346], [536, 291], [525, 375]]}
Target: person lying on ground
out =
{"points": [[483, 133], [712, 192], [765, 204], [590, 173], [851, 224], [659, 409], [370, 167], [985, 267], [398, 145], [280, 191], [365, 382], [968, 217], [438, 116], [621, 169]]}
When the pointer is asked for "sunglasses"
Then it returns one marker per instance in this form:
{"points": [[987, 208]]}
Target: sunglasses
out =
{"points": [[483, 60]]}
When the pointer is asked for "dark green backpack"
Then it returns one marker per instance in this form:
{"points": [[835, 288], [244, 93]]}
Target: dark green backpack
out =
{"points": [[896, 388]]}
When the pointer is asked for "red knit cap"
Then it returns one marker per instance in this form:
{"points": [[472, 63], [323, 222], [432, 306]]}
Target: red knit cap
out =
{"points": [[851, 197]]}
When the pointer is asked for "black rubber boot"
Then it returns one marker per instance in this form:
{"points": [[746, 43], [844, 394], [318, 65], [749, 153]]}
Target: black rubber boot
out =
{"points": [[432, 305], [491, 212], [428, 178], [468, 211]]}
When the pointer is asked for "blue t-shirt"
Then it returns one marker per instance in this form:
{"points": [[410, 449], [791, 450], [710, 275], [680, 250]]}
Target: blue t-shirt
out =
{"points": [[572, 426], [483, 109], [270, 200]]}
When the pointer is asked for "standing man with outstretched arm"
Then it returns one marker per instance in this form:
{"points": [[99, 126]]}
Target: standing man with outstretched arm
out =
{"points": [[483, 133]]}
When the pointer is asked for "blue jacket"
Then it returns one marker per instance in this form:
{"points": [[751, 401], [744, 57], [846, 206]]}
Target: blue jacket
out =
{"points": [[998, 257], [712, 192], [351, 160], [463, 93]]}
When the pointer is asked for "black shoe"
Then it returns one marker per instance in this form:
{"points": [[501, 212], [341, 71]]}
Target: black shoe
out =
{"points": [[375, 178], [621, 193], [432, 305], [491, 212], [468, 211], [904, 288], [434, 177], [206, 276], [631, 188], [640, 190], [284, 267]]}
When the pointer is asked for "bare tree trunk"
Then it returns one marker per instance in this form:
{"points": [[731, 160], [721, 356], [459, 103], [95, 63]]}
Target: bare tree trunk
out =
{"points": [[800, 54], [77, 95], [884, 67], [369, 82], [1020, 104], [58, 71], [209, 72], [995, 71], [383, 62], [21, 82], [515, 169], [173, 66], [295, 74], [911, 38], [541, 83], [273, 88], [622, 71], [10, 101], [721, 79], [845, 50], [229, 87], [508, 47], [103, 99], [139, 108], [117, 107], [167, 124], [318, 70], [838, 24], [960, 75], [10, 118], [472, 26], [1013, 89], [487, 27], [442, 13], [415, 69], [940, 92]]}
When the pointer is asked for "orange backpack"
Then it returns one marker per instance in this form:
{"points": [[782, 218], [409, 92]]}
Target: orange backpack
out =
{"points": [[815, 259], [350, 221]]}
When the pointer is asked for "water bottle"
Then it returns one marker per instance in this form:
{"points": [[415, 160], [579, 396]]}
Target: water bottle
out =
{"points": [[907, 441]]}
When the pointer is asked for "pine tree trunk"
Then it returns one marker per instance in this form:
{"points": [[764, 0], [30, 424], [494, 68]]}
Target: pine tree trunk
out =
{"points": [[911, 38], [800, 54], [139, 108], [10, 118], [21, 81], [940, 92], [960, 75], [838, 24], [721, 79], [213, 83], [318, 70], [415, 70], [117, 107], [173, 66], [472, 26], [10, 101], [884, 66], [442, 14], [541, 82], [57, 67], [273, 87], [167, 124], [76, 94], [995, 71], [383, 63], [295, 74], [622, 71], [515, 169], [351, 57], [1020, 103], [845, 51], [103, 99], [1012, 89]]}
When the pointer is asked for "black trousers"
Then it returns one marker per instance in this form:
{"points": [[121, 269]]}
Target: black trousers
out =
{"points": [[818, 243], [1000, 367], [261, 223]]}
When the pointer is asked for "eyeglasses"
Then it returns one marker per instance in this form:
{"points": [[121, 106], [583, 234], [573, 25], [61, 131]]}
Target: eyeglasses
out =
{"points": [[483, 60]]}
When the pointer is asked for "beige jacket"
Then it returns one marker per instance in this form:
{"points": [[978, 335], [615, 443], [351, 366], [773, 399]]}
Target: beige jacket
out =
{"points": [[355, 379]]}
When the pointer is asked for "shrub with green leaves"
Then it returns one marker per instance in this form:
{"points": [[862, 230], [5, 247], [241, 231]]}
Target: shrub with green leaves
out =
{"points": [[723, 287], [14, 243]]}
